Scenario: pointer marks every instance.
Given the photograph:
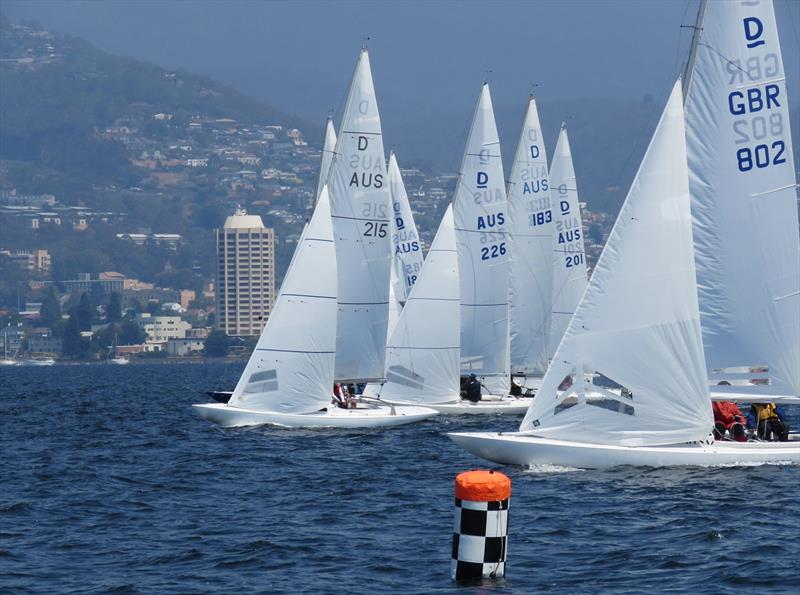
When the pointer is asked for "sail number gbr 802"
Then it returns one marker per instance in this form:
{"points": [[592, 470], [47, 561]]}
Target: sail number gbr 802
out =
{"points": [[762, 127]]}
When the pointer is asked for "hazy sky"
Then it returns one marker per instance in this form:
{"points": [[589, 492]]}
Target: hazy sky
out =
{"points": [[300, 55]]}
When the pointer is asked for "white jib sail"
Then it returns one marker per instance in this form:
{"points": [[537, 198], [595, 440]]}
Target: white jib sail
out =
{"points": [[291, 368], [406, 245], [423, 352], [328, 148], [360, 208], [480, 217], [744, 199], [569, 263], [638, 322], [530, 234]]}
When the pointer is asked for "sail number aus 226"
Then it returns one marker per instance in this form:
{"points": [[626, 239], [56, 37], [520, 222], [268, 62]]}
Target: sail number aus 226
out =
{"points": [[488, 252]]}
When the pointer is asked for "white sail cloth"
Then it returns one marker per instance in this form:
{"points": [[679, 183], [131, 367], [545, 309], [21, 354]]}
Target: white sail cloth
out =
{"points": [[328, 148], [638, 322], [744, 201], [423, 352], [480, 217], [291, 368], [360, 208], [569, 264], [406, 246], [530, 234]]}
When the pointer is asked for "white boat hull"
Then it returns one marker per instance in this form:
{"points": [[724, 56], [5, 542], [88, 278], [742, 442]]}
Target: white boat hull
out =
{"points": [[523, 449], [332, 417], [506, 405]]}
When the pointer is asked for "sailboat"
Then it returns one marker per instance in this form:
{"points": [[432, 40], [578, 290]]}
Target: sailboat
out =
{"points": [[638, 324], [744, 203], [569, 264], [360, 209], [480, 213], [422, 356], [289, 377], [531, 259], [328, 150], [407, 255], [547, 274]]}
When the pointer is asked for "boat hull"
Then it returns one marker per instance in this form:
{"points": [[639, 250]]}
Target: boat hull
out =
{"points": [[508, 406], [523, 449], [333, 417]]}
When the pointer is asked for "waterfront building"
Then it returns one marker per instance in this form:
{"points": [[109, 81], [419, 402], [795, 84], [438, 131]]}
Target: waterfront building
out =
{"points": [[245, 274]]}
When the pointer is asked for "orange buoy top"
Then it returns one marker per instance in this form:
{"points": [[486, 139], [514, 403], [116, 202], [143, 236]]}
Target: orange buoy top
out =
{"points": [[482, 486]]}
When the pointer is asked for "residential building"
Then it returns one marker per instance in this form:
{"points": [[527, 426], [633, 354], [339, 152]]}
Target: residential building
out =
{"points": [[30, 260], [184, 347], [161, 329], [245, 274]]}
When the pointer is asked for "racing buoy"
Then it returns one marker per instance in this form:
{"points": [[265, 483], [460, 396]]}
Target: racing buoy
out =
{"points": [[481, 525]]}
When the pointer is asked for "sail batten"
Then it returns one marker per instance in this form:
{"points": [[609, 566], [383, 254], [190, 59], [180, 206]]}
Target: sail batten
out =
{"points": [[638, 322], [480, 220], [744, 202], [360, 210]]}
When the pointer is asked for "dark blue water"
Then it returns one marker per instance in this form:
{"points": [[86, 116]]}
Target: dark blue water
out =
{"points": [[108, 483]]}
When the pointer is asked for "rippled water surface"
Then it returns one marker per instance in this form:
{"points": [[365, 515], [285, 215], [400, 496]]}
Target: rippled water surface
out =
{"points": [[108, 483]]}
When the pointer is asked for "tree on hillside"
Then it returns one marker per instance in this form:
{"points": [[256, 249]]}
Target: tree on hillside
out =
{"points": [[85, 313], [71, 341], [216, 344], [114, 309], [50, 312], [131, 334]]}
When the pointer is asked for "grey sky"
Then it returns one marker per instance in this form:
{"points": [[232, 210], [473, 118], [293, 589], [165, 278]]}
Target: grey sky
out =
{"points": [[300, 54], [428, 57]]}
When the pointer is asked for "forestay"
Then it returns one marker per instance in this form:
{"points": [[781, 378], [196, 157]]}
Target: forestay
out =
{"points": [[530, 234], [569, 264], [422, 354], [406, 246], [479, 212], [291, 368], [638, 322], [328, 147], [744, 201], [360, 208]]}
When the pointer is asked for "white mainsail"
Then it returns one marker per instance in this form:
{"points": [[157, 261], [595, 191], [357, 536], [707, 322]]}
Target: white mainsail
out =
{"points": [[407, 249], [423, 352], [328, 148], [360, 208], [569, 264], [291, 368], [638, 322], [479, 212], [743, 189], [530, 234]]}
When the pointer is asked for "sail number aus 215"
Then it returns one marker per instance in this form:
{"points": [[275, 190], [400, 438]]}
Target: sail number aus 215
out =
{"points": [[375, 229]]}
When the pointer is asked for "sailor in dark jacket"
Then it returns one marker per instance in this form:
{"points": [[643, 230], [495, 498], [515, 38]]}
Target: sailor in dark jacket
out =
{"points": [[472, 389]]}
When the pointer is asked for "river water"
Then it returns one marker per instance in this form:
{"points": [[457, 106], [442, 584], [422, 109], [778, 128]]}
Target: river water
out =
{"points": [[109, 484]]}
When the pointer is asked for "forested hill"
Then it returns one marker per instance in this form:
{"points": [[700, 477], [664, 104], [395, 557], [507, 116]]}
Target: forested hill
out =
{"points": [[57, 92]]}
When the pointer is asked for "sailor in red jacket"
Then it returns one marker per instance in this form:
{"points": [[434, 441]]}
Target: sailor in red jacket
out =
{"points": [[727, 416]]}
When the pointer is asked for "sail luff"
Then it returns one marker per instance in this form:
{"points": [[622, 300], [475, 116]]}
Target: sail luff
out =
{"points": [[696, 35]]}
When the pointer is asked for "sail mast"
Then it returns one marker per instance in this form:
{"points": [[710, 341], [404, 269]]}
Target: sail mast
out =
{"points": [[698, 27]]}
